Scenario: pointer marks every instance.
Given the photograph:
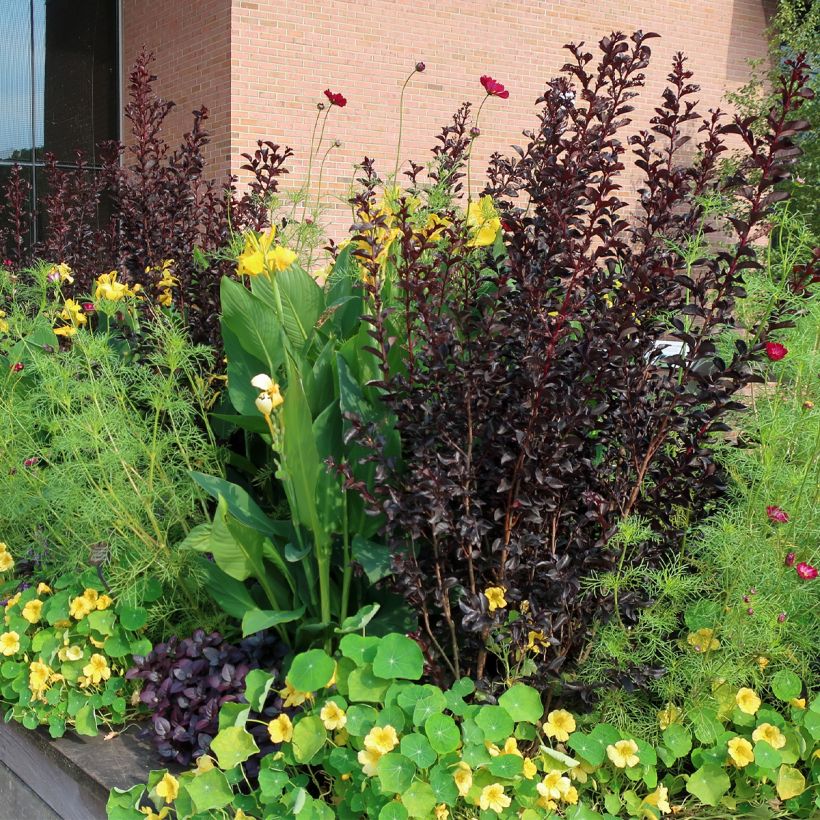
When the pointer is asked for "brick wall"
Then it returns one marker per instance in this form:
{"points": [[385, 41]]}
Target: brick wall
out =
{"points": [[191, 41], [284, 53]]}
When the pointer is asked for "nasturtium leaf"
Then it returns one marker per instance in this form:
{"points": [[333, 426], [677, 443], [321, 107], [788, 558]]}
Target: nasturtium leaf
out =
{"points": [[766, 756], [272, 783], [342, 760], [495, 722], [419, 799], [257, 685], [588, 747], [580, 812], [706, 724], [363, 685], [233, 746], [311, 670], [85, 721], [233, 714], [132, 617], [463, 687], [786, 685], [560, 758], [209, 791], [395, 772], [393, 811], [359, 648], [709, 783], [443, 785], [392, 716], [811, 720], [443, 734], [432, 704], [678, 740], [359, 620], [398, 656], [522, 703], [360, 720], [309, 735], [506, 766], [790, 783], [417, 748]]}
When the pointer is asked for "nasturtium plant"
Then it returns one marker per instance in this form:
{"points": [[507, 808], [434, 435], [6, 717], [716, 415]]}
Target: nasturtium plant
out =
{"points": [[65, 649]]}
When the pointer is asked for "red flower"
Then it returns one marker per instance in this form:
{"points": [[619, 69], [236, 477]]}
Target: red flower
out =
{"points": [[336, 98], [88, 307], [775, 351], [494, 88], [17, 367], [777, 515], [806, 571]]}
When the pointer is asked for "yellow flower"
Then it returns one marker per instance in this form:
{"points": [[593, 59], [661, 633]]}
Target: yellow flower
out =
{"points": [[571, 796], [6, 562], [442, 812], [43, 589], [740, 750], [91, 595], [240, 815], [660, 799], [798, 703], [270, 397], [13, 600], [293, 697], [32, 611], [333, 716], [623, 754], [771, 734], [554, 786], [150, 814], [204, 763], [492, 798], [38, 678], [65, 330], [463, 777], [73, 313], [703, 640], [341, 737], [103, 602], [511, 747], [747, 701], [369, 759], [80, 607], [381, 739], [530, 769], [168, 788], [281, 729], [559, 724], [762, 662], [671, 714], [61, 272], [536, 641], [70, 653], [9, 643], [282, 258], [255, 256], [107, 287], [483, 222], [4, 325], [166, 298], [97, 670], [495, 597]]}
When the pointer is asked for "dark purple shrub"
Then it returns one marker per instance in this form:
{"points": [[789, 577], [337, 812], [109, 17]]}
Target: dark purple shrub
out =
{"points": [[536, 409], [187, 681], [15, 217]]}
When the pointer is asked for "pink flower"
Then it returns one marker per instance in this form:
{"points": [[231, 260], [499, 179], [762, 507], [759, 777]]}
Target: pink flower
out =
{"points": [[777, 515], [336, 98], [494, 88], [806, 571], [776, 351]]}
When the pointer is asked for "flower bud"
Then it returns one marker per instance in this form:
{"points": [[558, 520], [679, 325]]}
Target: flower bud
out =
{"points": [[808, 405], [781, 618], [320, 106], [17, 367], [752, 590], [789, 560], [420, 66], [750, 611], [475, 132], [337, 143]]}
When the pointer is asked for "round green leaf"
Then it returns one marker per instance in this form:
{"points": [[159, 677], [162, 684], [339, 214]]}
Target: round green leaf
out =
{"points": [[709, 783], [766, 756], [506, 766], [786, 685], [311, 670], [232, 746], [677, 740], [790, 783], [443, 734], [416, 747], [360, 720], [209, 791], [395, 772], [522, 702], [588, 747], [309, 736], [419, 800], [393, 811], [495, 722], [132, 617], [398, 656]]}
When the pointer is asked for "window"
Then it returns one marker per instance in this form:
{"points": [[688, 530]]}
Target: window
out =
{"points": [[59, 83]]}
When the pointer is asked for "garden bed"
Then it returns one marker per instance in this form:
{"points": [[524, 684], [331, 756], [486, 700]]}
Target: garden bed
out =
{"points": [[69, 778]]}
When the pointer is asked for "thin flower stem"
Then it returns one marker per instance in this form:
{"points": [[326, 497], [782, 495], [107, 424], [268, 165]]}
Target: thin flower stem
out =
{"points": [[401, 125], [470, 155]]}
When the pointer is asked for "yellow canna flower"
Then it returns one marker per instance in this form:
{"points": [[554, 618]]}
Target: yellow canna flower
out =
{"points": [[623, 754], [381, 739], [771, 734], [32, 611], [281, 729], [747, 701], [369, 759], [495, 597], [333, 716], [463, 777], [282, 258], [9, 643], [270, 398], [660, 799], [97, 669], [167, 788], [107, 287], [492, 798], [482, 222], [559, 724], [255, 257], [741, 752], [61, 272]]}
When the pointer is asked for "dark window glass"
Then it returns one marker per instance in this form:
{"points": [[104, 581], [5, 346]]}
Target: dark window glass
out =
{"points": [[59, 81]]}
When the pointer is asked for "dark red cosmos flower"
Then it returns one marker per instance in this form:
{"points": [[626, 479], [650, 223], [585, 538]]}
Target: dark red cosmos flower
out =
{"points": [[789, 559], [88, 307], [777, 515], [494, 88], [31, 462], [17, 367], [776, 351], [336, 98], [806, 571]]}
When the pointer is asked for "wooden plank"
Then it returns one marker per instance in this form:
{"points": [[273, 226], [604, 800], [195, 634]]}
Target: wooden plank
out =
{"points": [[18, 801]]}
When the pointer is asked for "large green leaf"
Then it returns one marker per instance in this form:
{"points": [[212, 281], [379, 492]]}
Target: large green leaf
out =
{"points": [[233, 746], [255, 620], [302, 302], [709, 783], [253, 322], [242, 367], [232, 596]]}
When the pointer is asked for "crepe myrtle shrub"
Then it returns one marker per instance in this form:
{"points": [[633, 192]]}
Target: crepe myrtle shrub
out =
{"points": [[535, 407], [147, 203], [187, 681]]}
